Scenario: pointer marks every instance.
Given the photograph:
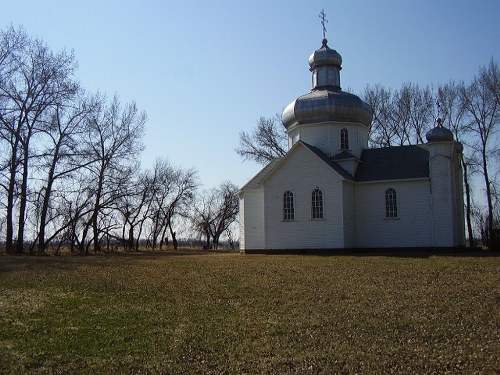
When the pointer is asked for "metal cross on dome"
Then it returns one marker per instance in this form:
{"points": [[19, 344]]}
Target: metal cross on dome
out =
{"points": [[439, 120], [322, 15]]}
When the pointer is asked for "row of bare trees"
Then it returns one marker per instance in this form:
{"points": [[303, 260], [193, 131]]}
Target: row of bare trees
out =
{"points": [[69, 162], [403, 117]]}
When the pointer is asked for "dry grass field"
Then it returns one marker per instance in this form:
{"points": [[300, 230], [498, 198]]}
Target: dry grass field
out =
{"points": [[236, 314]]}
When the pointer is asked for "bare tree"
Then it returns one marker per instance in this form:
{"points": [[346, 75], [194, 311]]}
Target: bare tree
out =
{"points": [[216, 210], [173, 193], [401, 117], [421, 112], [113, 143], [37, 80], [379, 99], [483, 111], [267, 141], [75, 209], [134, 206], [61, 158], [490, 76]]}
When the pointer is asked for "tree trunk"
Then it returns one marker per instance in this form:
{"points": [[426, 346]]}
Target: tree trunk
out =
{"points": [[130, 244], [488, 194], [95, 214], [163, 237], [9, 240], [172, 233], [468, 204], [23, 200], [42, 246]]}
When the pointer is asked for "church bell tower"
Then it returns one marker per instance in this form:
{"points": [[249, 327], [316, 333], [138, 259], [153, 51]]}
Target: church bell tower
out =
{"points": [[334, 121]]}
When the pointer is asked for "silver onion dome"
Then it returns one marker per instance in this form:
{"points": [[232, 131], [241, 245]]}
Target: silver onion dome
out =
{"points": [[325, 56], [327, 105], [439, 133], [326, 101]]}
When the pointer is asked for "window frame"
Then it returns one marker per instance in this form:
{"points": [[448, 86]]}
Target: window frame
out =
{"points": [[391, 204], [317, 205], [344, 139], [288, 206]]}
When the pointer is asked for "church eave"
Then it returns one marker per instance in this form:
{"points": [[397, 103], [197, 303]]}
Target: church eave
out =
{"points": [[392, 180]]}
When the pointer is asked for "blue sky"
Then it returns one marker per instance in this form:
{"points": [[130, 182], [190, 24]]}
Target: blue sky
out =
{"points": [[205, 71]]}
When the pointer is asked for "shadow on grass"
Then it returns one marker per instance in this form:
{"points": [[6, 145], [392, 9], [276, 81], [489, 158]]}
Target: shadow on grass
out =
{"points": [[107, 260], [98, 260], [387, 252]]}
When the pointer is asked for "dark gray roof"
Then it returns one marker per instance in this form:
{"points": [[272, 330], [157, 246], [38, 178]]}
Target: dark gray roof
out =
{"points": [[393, 163]]}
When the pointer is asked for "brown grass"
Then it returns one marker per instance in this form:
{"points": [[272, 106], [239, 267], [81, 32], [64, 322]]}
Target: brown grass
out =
{"points": [[235, 314]]}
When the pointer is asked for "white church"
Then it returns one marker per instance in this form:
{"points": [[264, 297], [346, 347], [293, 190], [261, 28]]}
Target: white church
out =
{"points": [[330, 191]]}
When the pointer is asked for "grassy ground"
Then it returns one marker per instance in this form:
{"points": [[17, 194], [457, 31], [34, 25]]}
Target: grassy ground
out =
{"points": [[236, 314]]}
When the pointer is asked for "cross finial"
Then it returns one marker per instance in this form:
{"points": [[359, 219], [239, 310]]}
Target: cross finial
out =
{"points": [[439, 120], [322, 15]]}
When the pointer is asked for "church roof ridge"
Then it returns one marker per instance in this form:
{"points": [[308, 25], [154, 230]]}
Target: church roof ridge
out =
{"points": [[256, 181]]}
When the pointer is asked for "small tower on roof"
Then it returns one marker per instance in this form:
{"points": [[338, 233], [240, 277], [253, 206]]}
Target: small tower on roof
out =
{"points": [[328, 118], [446, 185], [439, 133], [325, 63]]}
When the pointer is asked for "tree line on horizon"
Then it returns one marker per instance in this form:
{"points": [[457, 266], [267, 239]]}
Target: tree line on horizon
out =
{"points": [[471, 110], [70, 173]]}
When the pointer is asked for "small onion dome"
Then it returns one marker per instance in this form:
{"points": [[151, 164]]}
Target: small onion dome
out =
{"points": [[325, 56], [327, 105], [439, 133]]}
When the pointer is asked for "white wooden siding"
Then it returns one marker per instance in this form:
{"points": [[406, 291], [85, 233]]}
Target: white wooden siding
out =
{"points": [[459, 203], [252, 220], [349, 223], [241, 220], [301, 174], [316, 135], [412, 227], [326, 137]]}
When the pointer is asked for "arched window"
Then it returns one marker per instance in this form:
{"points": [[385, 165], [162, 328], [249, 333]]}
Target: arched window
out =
{"points": [[391, 204], [288, 207], [344, 139], [317, 204]]}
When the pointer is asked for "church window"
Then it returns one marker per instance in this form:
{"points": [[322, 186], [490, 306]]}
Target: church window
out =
{"points": [[391, 204], [288, 206], [317, 204], [344, 139]]}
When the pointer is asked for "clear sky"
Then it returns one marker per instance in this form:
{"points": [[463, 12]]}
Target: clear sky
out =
{"points": [[206, 70]]}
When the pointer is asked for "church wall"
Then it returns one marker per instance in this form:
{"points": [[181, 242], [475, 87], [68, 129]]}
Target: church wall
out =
{"points": [[316, 135], [301, 174], [252, 234], [326, 137], [447, 195], [241, 214], [441, 202], [412, 227], [358, 138], [443, 195], [349, 223], [459, 203]]}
